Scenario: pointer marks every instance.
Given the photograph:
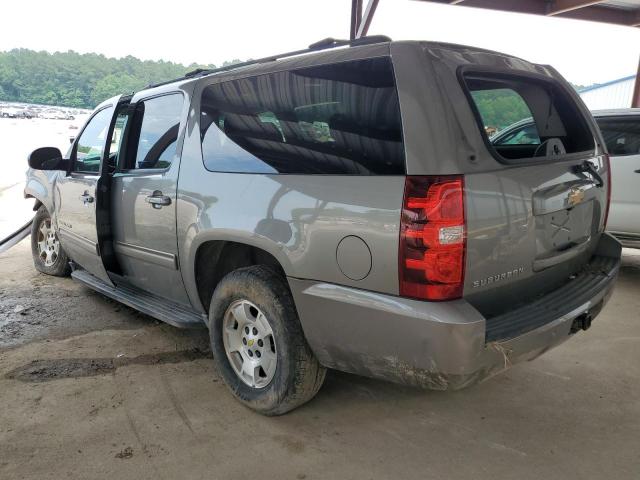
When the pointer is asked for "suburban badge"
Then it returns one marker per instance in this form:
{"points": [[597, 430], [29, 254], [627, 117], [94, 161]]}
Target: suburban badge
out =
{"points": [[498, 278]]}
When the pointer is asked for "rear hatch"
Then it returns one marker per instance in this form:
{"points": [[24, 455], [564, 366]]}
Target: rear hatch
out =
{"points": [[534, 221], [536, 200]]}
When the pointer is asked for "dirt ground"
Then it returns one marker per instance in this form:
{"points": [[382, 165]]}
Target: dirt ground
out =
{"points": [[91, 389]]}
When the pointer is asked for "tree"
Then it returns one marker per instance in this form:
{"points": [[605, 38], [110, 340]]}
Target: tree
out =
{"points": [[79, 80]]}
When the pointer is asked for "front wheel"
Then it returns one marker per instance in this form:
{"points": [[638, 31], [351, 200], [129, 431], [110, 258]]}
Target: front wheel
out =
{"points": [[258, 344], [48, 255]]}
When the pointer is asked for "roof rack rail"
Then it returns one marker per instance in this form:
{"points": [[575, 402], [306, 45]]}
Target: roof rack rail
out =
{"points": [[320, 45]]}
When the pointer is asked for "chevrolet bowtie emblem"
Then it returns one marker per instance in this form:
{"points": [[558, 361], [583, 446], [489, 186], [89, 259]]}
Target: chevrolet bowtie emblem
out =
{"points": [[576, 196]]}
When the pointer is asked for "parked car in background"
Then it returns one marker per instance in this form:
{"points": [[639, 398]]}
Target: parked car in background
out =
{"points": [[9, 112], [27, 113], [340, 209], [522, 132], [621, 131], [51, 114], [55, 114]]}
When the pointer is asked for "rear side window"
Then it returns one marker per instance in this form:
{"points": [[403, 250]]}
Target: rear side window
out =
{"points": [[154, 134], [333, 119], [524, 118], [622, 136]]}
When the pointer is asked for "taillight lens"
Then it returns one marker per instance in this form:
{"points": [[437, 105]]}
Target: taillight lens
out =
{"points": [[432, 238], [607, 159]]}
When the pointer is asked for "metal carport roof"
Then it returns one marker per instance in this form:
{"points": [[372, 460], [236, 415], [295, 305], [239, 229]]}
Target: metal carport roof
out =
{"points": [[619, 12]]}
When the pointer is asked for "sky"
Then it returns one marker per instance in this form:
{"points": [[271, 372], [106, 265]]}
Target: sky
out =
{"points": [[214, 31]]}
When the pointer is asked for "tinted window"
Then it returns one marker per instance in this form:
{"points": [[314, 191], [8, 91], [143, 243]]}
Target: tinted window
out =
{"points": [[335, 119], [91, 143], [156, 124], [554, 125], [622, 136]]}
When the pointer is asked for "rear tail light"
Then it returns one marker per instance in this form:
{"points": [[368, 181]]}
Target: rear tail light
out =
{"points": [[432, 238], [607, 159]]}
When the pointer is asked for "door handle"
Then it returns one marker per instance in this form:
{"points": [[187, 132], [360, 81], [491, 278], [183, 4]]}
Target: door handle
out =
{"points": [[86, 198], [637, 171], [158, 200]]}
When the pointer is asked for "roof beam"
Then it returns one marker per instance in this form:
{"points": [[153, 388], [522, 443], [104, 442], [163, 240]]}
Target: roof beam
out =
{"points": [[597, 13], [562, 6], [635, 101], [356, 17], [363, 28], [522, 6]]}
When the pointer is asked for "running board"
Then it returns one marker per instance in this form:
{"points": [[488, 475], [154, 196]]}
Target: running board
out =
{"points": [[145, 302]]}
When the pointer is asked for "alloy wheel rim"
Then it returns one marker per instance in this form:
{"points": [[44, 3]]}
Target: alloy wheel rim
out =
{"points": [[249, 344], [48, 243]]}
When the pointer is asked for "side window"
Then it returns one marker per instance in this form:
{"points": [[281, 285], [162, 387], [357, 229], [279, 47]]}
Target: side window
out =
{"points": [[156, 123], [622, 136], [341, 118], [91, 143], [552, 125]]}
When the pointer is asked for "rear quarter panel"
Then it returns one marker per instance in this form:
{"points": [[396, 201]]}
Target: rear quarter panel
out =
{"points": [[299, 219]]}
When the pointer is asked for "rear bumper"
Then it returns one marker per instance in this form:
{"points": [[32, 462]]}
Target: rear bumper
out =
{"points": [[440, 345]]}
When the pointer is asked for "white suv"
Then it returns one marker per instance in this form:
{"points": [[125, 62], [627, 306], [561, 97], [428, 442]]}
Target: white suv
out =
{"points": [[621, 131]]}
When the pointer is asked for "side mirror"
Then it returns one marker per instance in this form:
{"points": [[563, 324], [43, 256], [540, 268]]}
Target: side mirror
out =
{"points": [[47, 158]]}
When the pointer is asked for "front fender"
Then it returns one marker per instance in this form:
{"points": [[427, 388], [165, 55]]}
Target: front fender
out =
{"points": [[40, 186]]}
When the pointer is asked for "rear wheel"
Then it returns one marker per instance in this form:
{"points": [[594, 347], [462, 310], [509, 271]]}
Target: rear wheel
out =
{"points": [[48, 255], [258, 344]]}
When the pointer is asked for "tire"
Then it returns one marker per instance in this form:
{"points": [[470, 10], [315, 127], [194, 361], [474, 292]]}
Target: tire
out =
{"points": [[48, 257], [297, 375]]}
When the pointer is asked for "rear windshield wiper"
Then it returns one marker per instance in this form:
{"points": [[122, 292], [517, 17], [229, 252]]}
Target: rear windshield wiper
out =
{"points": [[590, 168]]}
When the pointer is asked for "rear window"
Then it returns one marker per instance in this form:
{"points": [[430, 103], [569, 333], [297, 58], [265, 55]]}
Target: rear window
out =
{"points": [[523, 118], [622, 136], [333, 119]]}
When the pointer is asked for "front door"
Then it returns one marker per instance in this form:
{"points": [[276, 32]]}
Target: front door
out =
{"points": [[143, 197], [75, 195]]}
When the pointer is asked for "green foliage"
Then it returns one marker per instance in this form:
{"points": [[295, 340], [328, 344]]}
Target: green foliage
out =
{"points": [[79, 80], [500, 108]]}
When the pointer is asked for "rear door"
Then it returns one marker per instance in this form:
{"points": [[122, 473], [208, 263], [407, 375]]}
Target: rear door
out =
{"points": [[76, 198], [143, 197], [622, 136]]}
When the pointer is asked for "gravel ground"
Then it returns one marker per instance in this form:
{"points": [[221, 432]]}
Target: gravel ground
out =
{"points": [[90, 389]]}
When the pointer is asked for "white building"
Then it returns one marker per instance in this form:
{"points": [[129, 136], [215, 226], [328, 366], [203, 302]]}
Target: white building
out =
{"points": [[614, 94]]}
